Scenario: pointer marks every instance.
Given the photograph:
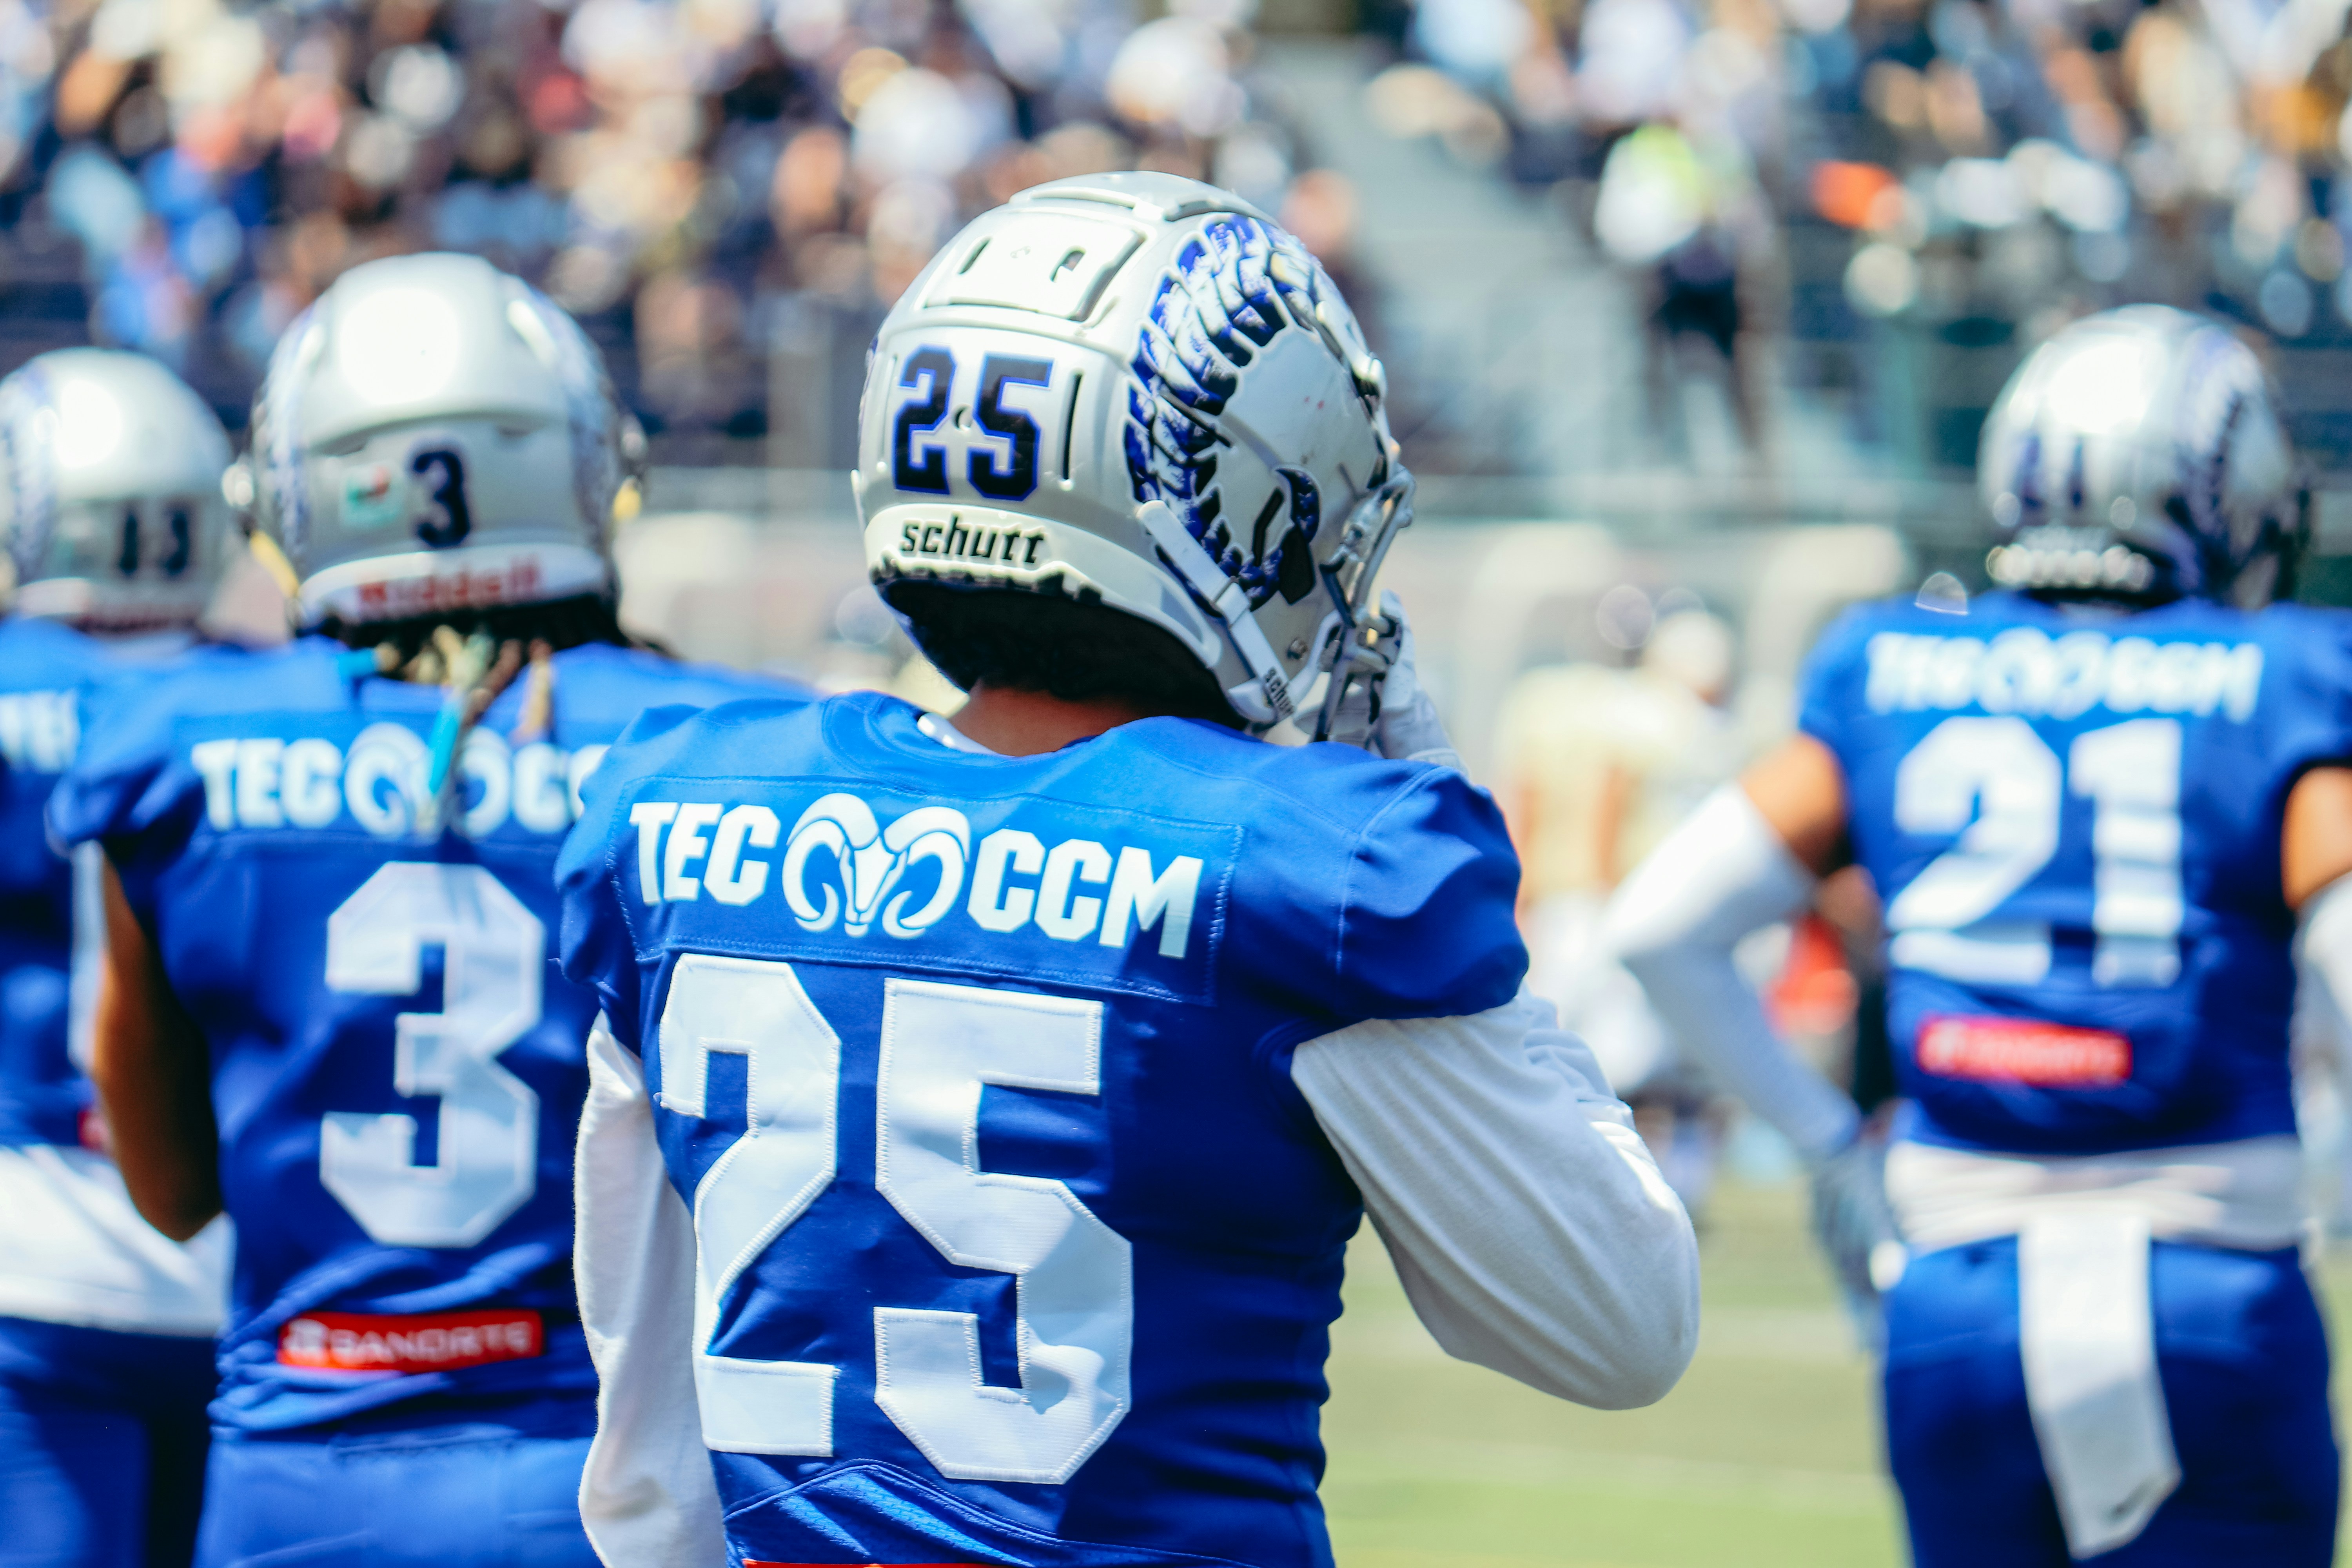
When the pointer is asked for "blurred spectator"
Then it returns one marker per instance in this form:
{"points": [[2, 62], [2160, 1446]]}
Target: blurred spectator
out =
{"points": [[685, 176], [1594, 767]]}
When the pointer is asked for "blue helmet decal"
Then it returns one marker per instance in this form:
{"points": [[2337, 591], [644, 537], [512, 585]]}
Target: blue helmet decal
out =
{"points": [[1235, 287], [28, 448]]}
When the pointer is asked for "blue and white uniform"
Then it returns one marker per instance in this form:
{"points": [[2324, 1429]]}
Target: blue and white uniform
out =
{"points": [[2074, 820], [105, 1327], [1010, 1117], [398, 1076]]}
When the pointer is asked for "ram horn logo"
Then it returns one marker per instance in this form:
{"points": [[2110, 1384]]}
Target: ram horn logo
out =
{"points": [[871, 860]]}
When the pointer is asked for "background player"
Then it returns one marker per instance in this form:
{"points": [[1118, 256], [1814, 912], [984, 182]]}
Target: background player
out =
{"points": [[331, 879], [1595, 765], [2093, 804], [116, 534], [1030, 1074]]}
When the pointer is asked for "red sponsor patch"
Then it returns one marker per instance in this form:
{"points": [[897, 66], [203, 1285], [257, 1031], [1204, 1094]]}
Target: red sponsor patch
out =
{"points": [[427, 1342], [2024, 1050]]}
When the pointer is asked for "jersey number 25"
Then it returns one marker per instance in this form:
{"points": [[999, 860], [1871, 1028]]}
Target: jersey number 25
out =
{"points": [[1074, 1292]]}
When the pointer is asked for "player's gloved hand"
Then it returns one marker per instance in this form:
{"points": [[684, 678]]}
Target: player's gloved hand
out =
{"points": [[1855, 1225], [1387, 711]]}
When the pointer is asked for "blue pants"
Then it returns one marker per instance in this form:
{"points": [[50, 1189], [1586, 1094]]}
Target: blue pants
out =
{"points": [[2243, 1360], [101, 1446], [467, 1494]]}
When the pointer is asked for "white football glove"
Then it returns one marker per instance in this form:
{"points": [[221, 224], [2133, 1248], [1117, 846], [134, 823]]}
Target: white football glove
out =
{"points": [[1387, 711], [1855, 1225]]}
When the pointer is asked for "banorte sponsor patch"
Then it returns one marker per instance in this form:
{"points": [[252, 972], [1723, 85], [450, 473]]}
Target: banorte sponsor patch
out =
{"points": [[2024, 1050], [425, 1342]]}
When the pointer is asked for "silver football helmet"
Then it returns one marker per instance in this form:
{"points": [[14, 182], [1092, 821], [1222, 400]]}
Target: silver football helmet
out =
{"points": [[110, 502], [435, 435], [2141, 453], [1133, 389]]}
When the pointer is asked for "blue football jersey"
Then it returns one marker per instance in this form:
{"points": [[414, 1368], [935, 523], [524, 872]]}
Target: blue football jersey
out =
{"points": [[397, 1067], [2072, 818], [1016, 1242], [43, 666]]}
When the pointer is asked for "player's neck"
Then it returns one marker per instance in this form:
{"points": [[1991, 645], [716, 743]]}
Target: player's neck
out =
{"points": [[1030, 723]]}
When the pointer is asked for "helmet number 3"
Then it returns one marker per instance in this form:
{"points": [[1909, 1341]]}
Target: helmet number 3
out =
{"points": [[921, 432], [451, 520], [1074, 1284]]}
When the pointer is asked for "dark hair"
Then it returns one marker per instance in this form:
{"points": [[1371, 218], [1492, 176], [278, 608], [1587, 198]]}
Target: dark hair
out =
{"points": [[1076, 651], [559, 622]]}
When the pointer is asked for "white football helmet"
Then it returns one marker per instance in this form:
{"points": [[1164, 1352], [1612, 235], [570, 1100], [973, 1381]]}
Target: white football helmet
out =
{"points": [[2141, 453], [1133, 389], [434, 436], [113, 515]]}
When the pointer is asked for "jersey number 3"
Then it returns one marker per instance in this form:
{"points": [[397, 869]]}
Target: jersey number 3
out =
{"points": [[1999, 785], [1075, 1288], [493, 954]]}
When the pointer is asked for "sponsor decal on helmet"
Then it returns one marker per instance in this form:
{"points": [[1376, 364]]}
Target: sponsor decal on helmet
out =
{"points": [[371, 499], [512, 581], [954, 540]]}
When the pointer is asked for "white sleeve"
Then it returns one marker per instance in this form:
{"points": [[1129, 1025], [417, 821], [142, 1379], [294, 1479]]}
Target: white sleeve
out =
{"points": [[647, 1497], [1673, 923], [2323, 958], [1531, 1227]]}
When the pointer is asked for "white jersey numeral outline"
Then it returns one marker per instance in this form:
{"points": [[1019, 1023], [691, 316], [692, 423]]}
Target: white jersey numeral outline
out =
{"points": [[1997, 783], [940, 1046], [494, 954]]}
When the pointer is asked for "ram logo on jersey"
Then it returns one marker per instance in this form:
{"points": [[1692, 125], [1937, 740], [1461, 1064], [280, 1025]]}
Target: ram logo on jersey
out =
{"points": [[860, 880], [39, 730], [380, 780], [2025, 670]]}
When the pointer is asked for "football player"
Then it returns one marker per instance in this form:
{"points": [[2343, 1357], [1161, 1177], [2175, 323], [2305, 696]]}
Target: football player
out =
{"points": [[116, 534], [984, 1107], [2095, 802], [327, 1003]]}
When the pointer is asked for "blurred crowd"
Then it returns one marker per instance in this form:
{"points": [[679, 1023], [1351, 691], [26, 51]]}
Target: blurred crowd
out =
{"points": [[688, 177], [1937, 179], [1927, 182]]}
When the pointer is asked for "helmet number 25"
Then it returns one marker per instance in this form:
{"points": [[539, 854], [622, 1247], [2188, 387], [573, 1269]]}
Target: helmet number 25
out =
{"points": [[1074, 1292], [920, 434]]}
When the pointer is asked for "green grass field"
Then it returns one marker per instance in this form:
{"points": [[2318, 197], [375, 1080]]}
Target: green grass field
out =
{"points": [[1766, 1456]]}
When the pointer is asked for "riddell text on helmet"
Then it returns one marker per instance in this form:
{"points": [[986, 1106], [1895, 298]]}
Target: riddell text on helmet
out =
{"points": [[464, 588]]}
